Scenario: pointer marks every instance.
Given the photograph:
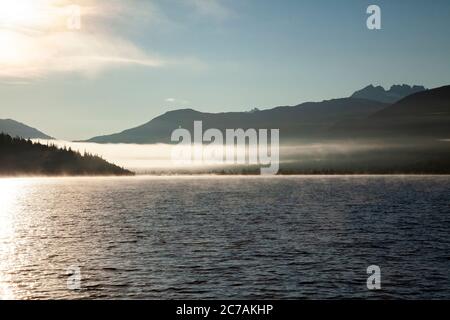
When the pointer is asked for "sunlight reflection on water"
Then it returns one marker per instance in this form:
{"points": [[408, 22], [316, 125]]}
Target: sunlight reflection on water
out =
{"points": [[10, 192]]}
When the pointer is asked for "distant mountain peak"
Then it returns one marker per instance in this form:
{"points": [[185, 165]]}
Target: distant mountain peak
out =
{"points": [[395, 93]]}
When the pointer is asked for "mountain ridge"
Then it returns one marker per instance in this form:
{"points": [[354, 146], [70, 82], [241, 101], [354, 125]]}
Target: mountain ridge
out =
{"points": [[310, 119], [18, 129], [392, 95], [306, 120]]}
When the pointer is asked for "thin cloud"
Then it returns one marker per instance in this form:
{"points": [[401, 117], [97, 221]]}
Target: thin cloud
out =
{"points": [[176, 101], [35, 40]]}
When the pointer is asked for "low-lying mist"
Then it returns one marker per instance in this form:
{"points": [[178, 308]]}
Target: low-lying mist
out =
{"points": [[306, 157]]}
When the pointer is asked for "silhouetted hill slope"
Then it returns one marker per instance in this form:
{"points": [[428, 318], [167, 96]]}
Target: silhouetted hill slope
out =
{"points": [[23, 157], [394, 94], [425, 114], [304, 121], [17, 129]]}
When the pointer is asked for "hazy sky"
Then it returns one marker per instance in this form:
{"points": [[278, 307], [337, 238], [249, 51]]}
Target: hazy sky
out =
{"points": [[133, 60]]}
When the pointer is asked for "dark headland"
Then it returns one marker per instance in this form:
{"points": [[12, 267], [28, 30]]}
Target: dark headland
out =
{"points": [[20, 157]]}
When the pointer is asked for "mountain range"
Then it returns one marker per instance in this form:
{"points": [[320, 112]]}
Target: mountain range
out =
{"points": [[417, 111]]}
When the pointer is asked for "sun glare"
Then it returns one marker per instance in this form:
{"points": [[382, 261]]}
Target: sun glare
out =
{"points": [[23, 23], [42, 37], [24, 13]]}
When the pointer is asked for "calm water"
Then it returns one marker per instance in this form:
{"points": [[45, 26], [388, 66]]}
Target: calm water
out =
{"points": [[225, 237]]}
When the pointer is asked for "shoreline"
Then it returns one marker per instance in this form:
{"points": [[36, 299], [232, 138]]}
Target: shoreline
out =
{"points": [[198, 176]]}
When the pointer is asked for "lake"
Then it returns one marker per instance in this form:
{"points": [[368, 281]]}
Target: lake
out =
{"points": [[225, 237]]}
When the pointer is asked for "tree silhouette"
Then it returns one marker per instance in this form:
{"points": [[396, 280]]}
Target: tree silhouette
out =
{"points": [[21, 156]]}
